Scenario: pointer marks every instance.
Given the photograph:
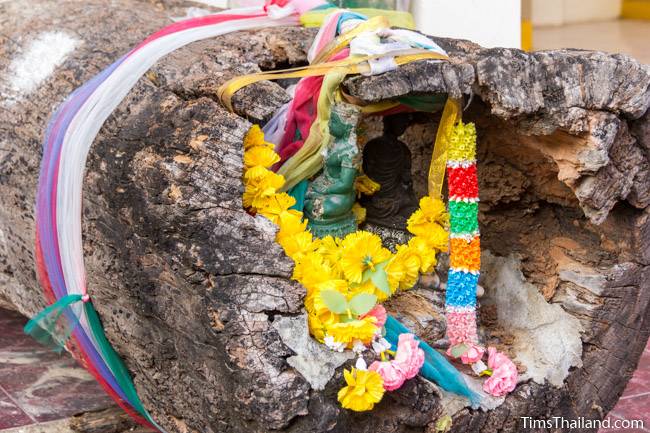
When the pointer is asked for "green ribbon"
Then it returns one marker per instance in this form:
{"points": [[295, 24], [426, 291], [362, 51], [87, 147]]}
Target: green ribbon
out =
{"points": [[53, 326]]}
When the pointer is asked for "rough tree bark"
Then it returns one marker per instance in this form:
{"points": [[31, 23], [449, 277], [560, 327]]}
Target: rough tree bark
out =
{"points": [[195, 294]]}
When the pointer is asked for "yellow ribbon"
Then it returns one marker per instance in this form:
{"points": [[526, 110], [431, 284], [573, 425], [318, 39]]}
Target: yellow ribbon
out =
{"points": [[450, 115], [402, 19], [342, 41], [354, 65], [372, 108]]}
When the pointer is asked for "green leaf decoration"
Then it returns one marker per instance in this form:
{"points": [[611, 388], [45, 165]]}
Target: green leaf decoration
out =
{"points": [[380, 280], [362, 303], [368, 273], [459, 350], [334, 301]]}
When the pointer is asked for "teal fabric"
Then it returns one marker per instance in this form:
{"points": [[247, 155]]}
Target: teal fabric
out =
{"points": [[298, 192], [436, 368], [115, 363], [428, 104], [53, 326]]}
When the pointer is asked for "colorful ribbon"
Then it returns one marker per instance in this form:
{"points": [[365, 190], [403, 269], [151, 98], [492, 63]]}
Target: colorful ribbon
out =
{"points": [[72, 129]]}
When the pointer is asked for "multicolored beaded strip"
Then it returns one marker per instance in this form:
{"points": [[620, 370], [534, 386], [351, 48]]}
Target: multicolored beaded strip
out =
{"points": [[465, 243]]}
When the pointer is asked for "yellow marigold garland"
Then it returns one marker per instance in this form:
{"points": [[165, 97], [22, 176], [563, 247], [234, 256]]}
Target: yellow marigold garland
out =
{"points": [[343, 276]]}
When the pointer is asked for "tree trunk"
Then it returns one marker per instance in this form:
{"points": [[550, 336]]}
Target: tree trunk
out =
{"points": [[196, 296]]}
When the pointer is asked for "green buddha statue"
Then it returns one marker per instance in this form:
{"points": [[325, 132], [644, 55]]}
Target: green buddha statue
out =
{"points": [[331, 195]]}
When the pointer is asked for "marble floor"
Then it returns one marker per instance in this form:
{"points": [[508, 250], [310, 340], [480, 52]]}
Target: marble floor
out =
{"points": [[635, 402], [631, 37], [38, 387]]}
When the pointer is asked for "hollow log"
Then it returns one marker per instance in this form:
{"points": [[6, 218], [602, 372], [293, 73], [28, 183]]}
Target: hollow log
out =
{"points": [[196, 296]]}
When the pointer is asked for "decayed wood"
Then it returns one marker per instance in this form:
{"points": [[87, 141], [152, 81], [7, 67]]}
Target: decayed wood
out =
{"points": [[189, 286], [111, 420]]}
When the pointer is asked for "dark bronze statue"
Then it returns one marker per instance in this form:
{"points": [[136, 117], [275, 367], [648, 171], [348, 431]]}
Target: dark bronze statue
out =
{"points": [[387, 161]]}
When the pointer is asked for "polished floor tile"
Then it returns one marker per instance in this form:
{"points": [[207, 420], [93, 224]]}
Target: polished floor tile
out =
{"points": [[10, 414], [619, 36], [39, 385]]}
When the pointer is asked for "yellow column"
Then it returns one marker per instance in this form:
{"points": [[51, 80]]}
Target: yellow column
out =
{"points": [[636, 9], [526, 25]]}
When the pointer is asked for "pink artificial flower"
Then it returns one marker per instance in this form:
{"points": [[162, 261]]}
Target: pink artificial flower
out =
{"points": [[392, 375], [379, 313], [473, 354], [504, 374], [409, 357]]}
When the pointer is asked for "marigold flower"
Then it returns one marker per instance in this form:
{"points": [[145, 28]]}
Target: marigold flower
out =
{"points": [[255, 173], [431, 212], [364, 389], [255, 137], [426, 254], [347, 332], [428, 223], [291, 223], [311, 270], [366, 186], [359, 212], [257, 192], [298, 245], [361, 251], [404, 268], [331, 252], [434, 210], [260, 156], [316, 327], [319, 323], [435, 236], [275, 205]]}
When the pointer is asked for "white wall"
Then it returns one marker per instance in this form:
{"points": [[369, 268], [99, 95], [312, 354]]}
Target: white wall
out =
{"points": [[547, 12], [558, 12], [491, 23]]}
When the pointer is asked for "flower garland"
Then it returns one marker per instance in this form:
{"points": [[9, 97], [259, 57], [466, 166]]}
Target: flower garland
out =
{"points": [[346, 278], [465, 247], [465, 265]]}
